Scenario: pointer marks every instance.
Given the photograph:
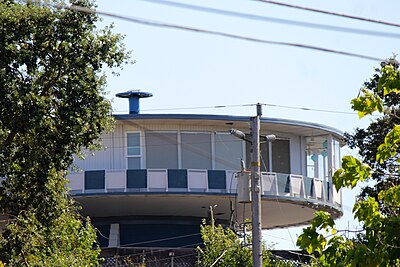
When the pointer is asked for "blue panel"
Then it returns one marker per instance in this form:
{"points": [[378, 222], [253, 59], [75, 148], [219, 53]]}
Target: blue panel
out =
{"points": [[309, 186], [176, 235], [102, 234], [216, 179], [328, 190], [177, 179], [136, 178], [283, 183], [95, 179]]}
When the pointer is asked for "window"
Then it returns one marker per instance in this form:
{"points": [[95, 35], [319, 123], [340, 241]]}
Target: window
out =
{"points": [[281, 156], [133, 150], [161, 150], [228, 152], [196, 150]]}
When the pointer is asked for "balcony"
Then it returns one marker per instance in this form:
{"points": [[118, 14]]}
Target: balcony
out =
{"points": [[189, 181]]}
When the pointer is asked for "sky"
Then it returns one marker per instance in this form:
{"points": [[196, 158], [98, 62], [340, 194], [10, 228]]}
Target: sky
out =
{"points": [[185, 69]]}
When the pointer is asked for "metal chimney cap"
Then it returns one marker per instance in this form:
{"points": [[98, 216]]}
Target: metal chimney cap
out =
{"points": [[134, 93]]}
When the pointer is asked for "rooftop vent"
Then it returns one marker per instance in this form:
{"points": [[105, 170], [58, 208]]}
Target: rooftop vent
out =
{"points": [[134, 96]]}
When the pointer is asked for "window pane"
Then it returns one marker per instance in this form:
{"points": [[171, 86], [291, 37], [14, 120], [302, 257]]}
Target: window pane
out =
{"points": [[196, 150], [228, 152], [281, 156], [133, 142], [133, 151], [161, 150], [133, 163]]}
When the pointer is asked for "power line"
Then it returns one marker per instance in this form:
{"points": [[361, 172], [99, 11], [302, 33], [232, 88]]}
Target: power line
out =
{"points": [[330, 13], [276, 20], [160, 240], [198, 30], [203, 107], [249, 105]]}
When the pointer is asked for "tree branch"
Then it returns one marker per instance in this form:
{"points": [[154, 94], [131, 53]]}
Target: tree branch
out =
{"points": [[9, 139]]}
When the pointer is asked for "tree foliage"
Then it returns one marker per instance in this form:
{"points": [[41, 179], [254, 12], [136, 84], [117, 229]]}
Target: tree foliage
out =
{"points": [[378, 205], [222, 247], [51, 106]]}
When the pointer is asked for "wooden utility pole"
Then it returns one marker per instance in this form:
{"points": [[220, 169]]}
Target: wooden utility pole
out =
{"points": [[256, 189]]}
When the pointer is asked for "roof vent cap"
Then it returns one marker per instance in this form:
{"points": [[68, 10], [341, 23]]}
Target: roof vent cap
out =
{"points": [[134, 96]]}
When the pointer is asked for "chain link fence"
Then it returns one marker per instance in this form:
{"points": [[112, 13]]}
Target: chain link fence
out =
{"points": [[135, 257]]}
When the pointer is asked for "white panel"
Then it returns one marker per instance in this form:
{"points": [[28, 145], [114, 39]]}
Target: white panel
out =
{"points": [[197, 180], [269, 183], [337, 196], [318, 189], [115, 179], [231, 181], [157, 180], [100, 159], [296, 185], [76, 181]]}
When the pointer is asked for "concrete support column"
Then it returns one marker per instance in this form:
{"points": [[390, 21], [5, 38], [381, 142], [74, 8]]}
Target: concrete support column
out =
{"points": [[114, 235]]}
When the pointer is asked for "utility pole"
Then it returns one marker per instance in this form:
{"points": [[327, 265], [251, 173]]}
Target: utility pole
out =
{"points": [[255, 183], [256, 189]]}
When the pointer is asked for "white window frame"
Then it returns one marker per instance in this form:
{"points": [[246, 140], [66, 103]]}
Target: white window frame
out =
{"points": [[140, 155]]}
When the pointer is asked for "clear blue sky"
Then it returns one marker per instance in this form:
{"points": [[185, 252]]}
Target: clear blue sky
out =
{"points": [[186, 69]]}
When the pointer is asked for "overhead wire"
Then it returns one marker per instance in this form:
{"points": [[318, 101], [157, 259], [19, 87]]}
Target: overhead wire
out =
{"points": [[217, 33], [330, 13], [249, 105], [160, 240], [275, 20]]}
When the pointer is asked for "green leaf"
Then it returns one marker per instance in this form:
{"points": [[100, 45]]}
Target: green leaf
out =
{"points": [[367, 103], [352, 172], [390, 146], [389, 82]]}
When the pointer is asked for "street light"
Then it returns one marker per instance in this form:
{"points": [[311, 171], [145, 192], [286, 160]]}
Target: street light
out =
{"points": [[241, 135]]}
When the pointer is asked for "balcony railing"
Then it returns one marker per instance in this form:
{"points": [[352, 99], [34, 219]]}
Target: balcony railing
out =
{"points": [[198, 181]]}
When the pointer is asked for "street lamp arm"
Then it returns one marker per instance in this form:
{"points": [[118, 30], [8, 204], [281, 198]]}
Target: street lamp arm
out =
{"points": [[239, 134], [242, 135]]}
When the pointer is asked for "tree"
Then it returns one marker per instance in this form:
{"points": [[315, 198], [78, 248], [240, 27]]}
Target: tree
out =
{"points": [[378, 205], [222, 247], [51, 106]]}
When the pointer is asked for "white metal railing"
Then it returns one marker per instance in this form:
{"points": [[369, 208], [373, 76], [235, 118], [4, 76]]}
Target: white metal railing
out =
{"points": [[197, 181]]}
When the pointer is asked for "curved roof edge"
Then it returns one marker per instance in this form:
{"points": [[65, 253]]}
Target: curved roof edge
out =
{"points": [[228, 118]]}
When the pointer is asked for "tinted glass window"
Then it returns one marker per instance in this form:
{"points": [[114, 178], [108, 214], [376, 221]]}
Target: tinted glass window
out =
{"points": [[161, 150], [196, 150], [281, 156]]}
